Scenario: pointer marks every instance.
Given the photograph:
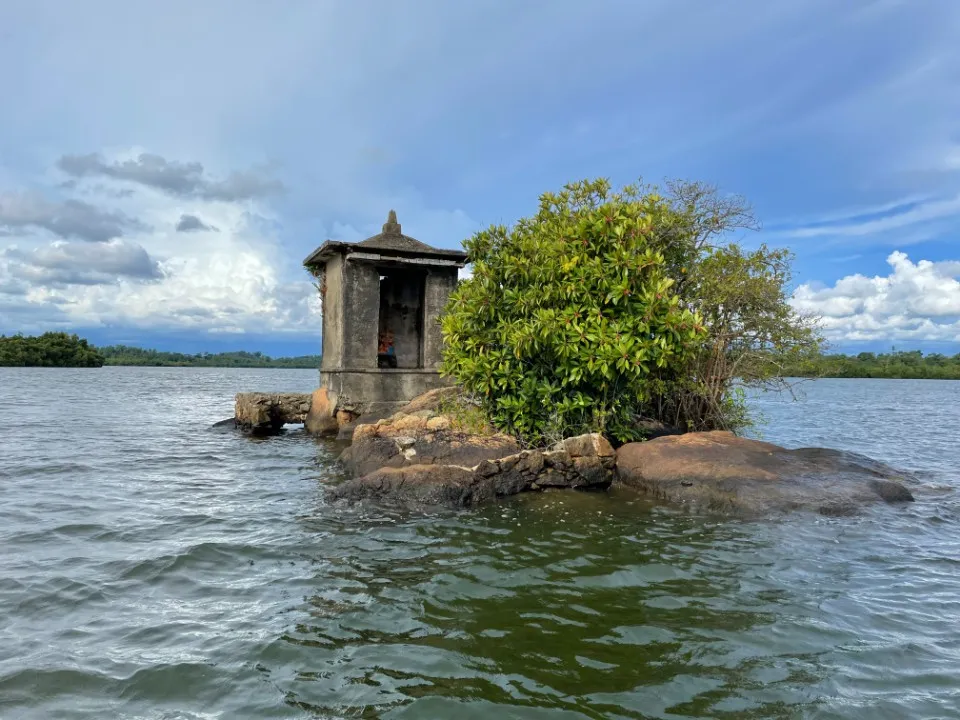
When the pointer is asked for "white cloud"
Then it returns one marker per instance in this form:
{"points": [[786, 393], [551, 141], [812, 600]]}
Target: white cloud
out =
{"points": [[364, 109], [80, 263], [228, 275], [20, 212], [916, 301], [180, 179], [908, 216]]}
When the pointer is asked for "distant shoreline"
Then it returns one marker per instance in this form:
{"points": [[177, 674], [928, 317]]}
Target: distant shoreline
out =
{"points": [[165, 365], [71, 351], [270, 366], [895, 365], [63, 350]]}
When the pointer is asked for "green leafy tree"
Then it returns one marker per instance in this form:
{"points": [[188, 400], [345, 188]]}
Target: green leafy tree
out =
{"points": [[52, 349], [753, 333], [571, 321], [606, 307], [753, 336]]}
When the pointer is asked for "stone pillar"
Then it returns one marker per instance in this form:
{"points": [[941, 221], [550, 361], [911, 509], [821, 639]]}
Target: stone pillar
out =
{"points": [[332, 321], [440, 283], [361, 315]]}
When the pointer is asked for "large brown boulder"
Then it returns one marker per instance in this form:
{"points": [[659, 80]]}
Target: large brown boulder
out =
{"points": [[583, 463], [720, 471], [436, 428]]}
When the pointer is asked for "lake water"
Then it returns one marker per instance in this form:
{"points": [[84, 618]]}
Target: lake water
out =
{"points": [[151, 567]]}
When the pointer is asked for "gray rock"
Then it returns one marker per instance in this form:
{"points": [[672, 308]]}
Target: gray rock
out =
{"points": [[267, 413]]}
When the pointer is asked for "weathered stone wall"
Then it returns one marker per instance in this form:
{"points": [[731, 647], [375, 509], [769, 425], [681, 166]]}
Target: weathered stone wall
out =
{"points": [[440, 283], [332, 341], [360, 392], [361, 302]]}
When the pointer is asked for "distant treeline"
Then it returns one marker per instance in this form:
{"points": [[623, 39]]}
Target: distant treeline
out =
{"points": [[58, 349], [52, 349], [126, 355], [63, 350], [913, 365]]}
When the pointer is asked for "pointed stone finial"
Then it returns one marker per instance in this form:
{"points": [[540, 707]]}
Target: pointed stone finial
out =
{"points": [[391, 226]]}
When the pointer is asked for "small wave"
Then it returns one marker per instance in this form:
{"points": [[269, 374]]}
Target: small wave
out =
{"points": [[79, 530], [189, 680], [200, 557], [28, 470], [50, 597], [24, 686]]}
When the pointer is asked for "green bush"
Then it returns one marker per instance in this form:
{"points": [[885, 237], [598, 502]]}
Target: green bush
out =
{"points": [[606, 307], [571, 322]]}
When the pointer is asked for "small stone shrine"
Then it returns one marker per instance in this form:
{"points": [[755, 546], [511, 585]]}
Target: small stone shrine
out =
{"points": [[381, 299]]}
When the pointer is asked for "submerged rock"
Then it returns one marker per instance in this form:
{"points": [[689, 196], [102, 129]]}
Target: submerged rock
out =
{"points": [[584, 463], [224, 425], [720, 471]]}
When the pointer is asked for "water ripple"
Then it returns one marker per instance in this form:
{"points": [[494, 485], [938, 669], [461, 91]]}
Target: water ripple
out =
{"points": [[151, 568]]}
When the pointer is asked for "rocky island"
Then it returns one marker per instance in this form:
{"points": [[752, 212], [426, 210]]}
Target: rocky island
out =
{"points": [[437, 451], [607, 339]]}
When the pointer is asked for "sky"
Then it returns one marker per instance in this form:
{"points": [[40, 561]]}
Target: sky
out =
{"points": [[166, 167]]}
